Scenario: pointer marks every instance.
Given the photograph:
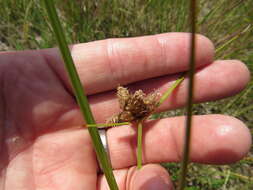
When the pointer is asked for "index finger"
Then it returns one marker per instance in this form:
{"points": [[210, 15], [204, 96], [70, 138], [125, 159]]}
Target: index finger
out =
{"points": [[103, 65]]}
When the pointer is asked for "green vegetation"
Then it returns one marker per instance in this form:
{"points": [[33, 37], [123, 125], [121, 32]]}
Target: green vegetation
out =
{"points": [[80, 94], [228, 23]]}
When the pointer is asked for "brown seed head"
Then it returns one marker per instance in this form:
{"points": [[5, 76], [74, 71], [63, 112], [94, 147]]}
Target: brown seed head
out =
{"points": [[136, 106], [123, 95]]}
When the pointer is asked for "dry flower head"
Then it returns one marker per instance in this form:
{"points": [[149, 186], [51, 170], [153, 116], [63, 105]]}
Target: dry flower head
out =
{"points": [[136, 106]]}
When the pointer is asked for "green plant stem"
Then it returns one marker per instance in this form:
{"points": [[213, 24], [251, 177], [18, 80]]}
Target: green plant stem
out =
{"points": [[227, 176], [79, 92], [139, 145], [242, 177], [243, 110], [102, 125], [187, 139], [246, 29], [170, 90]]}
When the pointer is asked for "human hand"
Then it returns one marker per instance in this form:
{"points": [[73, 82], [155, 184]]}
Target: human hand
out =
{"points": [[44, 145]]}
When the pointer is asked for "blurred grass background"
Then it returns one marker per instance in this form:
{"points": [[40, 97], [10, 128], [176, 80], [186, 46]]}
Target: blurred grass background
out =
{"points": [[228, 23]]}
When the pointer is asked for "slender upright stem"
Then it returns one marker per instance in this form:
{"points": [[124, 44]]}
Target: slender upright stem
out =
{"points": [[139, 145], [187, 139], [80, 94]]}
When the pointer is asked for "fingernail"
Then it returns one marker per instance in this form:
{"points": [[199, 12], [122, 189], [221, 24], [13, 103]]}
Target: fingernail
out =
{"points": [[155, 183], [151, 177]]}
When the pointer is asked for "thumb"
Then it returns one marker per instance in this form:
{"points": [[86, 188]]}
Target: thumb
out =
{"points": [[149, 177]]}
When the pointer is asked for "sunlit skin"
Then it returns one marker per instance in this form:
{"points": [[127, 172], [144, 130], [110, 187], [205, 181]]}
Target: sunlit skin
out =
{"points": [[43, 143]]}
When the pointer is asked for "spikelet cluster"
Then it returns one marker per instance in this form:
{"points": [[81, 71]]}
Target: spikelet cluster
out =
{"points": [[134, 107]]}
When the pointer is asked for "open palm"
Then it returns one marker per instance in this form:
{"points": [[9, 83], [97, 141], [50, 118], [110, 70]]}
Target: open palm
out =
{"points": [[43, 143]]}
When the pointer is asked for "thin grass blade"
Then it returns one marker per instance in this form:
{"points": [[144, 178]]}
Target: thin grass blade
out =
{"points": [[187, 139], [169, 91], [246, 29], [80, 94], [102, 125]]}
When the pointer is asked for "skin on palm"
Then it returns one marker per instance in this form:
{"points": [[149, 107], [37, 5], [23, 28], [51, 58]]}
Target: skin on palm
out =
{"points": [[44, 146]]}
